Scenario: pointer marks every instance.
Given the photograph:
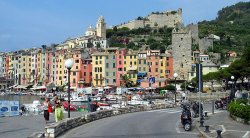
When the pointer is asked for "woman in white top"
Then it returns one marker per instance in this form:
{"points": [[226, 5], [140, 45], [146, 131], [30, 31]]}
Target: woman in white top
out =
{"points": [[45, 109]]}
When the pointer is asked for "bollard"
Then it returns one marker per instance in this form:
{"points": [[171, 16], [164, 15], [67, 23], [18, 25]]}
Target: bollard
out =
{"points": [[201, 123], [218, 134], [205, 114], [207, 129]]}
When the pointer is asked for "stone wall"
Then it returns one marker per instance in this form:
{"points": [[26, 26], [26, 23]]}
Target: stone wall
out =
{"points": [[204, 44], [169, 19], [58, 128]]}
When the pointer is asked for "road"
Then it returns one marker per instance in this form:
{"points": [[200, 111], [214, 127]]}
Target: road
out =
{"points": [[150, 124]]}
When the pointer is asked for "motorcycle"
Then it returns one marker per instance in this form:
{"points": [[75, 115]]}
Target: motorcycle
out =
{"points": [[195, 107], [186, 118], [221, 104]]}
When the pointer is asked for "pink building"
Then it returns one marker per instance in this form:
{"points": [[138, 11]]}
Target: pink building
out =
{"points": [[120, 65], [85, 73]]}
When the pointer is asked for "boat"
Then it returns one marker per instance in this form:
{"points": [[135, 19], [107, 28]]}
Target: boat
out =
{"points": [[104, 108], [36, 107], [111, 97], [137, 100]]}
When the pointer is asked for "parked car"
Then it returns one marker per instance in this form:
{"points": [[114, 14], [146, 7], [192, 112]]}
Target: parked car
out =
{"points": [[72, 107]]}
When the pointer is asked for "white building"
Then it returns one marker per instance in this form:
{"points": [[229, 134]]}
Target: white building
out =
{"points": [[204, 57]]}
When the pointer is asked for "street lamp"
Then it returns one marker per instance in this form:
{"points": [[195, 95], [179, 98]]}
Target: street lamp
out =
{"points": [[175, 76], [69, 64], [232, 88]]}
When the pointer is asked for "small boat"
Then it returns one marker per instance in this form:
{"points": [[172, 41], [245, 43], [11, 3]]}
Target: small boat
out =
{"points": [[111, 97], [36, 107], [104, 108]]}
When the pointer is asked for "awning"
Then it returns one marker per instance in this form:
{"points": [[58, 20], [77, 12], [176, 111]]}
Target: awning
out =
{"points": [[107, 87], [142, 74], [13, 86], [38, 88], [21, 87], [139, 81]]}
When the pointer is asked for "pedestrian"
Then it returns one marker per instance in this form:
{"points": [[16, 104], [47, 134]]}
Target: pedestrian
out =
{"points": [[46, 104], [58, 109]]}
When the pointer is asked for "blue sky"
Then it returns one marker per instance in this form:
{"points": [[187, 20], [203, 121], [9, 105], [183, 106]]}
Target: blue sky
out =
{"points": [[30, 23]]}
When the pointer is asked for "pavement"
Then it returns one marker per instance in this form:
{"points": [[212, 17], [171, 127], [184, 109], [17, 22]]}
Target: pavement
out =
{"points": [[222, 121], [24, 126]]}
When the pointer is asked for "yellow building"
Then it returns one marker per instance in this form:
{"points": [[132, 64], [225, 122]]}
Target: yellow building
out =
{"points": [[130, 65], [25, 68], [39, 64], [60, 70], [98, 68]]}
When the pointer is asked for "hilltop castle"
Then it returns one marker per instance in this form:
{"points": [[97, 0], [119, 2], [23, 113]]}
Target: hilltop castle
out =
{"points": [[156, 19]]}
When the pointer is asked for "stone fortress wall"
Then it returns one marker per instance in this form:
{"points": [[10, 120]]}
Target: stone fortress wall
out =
{"points": [[167, 18], [181, 51]]}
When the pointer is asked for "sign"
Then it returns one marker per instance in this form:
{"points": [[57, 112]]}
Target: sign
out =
{"points": [[4, 108], [14, 108], [9, 108], [151, 80]]}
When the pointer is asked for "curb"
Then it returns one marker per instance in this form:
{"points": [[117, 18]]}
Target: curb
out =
{"points": [[202, 131]]}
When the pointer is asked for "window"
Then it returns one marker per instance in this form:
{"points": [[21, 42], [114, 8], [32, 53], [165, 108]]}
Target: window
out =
{"points": [[161, 71], [96, 76], [96, 57], [120, 56], [134, 56], [156, 63], [100, 62], [134, 62], [120, 62], [167, 71], [145, 62], [139, 68], [124, 57], [161, 63], [113, 73], [84, 67], [100, 69], [114, 80], [107, 57], [130, 56], [100, 57], [107, 74], [96, 62], [124, 68], [84, 73], [107, 65], [113, 56], [119, 69], [144, 68], [113, 65], [139, 62], [74, 73], [95, 69], [167, 64], [125, 62], [76, 67], [130, 63], [77, 61], [74, 80], [156, 70]]}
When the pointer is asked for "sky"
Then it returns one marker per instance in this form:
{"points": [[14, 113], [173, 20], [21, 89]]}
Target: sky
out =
{"points": [[30, 23]]}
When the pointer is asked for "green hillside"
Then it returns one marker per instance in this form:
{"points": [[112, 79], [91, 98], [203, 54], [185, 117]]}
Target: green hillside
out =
{"points": [[232, 25]]}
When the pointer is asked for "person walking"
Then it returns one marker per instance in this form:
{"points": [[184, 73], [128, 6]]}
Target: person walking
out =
{"points": [[46, 104], [58, 110]]}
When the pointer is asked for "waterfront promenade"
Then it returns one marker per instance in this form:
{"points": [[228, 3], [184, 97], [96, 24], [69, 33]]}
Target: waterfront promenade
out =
{"points": [[24, 126]]}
